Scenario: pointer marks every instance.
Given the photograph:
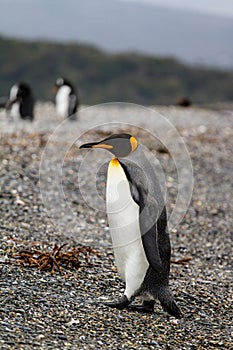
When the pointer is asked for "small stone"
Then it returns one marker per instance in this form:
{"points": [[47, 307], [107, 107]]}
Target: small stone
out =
{"points": [[19, 202]]}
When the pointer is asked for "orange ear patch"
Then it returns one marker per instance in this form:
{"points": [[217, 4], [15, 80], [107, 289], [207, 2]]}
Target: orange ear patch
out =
{"points": [[134, 143]]}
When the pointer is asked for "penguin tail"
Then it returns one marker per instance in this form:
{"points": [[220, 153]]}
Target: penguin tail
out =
{"points": [[168, 304]]}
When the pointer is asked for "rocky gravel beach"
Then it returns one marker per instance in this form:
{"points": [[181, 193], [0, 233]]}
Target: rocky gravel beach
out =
{"points": [[48, 196]]}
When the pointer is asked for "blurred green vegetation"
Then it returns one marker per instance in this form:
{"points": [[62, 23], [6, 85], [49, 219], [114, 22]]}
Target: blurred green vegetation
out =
{"points": [[102, 77]]}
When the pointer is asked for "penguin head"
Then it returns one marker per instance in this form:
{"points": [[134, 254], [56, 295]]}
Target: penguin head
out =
{"points": [[24, 90], [61, 82], [121, 145]]}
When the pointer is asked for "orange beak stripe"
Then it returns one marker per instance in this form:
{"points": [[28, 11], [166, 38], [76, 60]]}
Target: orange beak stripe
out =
{"points": [[134, 143], [102, 145]]}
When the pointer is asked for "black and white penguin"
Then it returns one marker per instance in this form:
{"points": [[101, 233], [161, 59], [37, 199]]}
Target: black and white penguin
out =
{"points": [[21, 102], [66, 99], [138, 227]]}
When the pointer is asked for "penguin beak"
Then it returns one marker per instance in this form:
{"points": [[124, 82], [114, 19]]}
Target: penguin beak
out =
{"points": [[9, 103], [96, 145]]}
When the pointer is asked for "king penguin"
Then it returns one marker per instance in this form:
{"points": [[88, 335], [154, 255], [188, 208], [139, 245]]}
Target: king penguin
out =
{"points": [[21, 102], [138, 228], [66, 99]]}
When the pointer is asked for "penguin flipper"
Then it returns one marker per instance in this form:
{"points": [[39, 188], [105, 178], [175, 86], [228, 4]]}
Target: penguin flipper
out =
{"points": [[120, 304], [72, 104], [148, 227]]}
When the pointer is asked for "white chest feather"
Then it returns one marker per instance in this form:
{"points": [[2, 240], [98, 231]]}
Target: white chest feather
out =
{"points": [[62, 101], [123, 219], [13, 92], [14, 111]]}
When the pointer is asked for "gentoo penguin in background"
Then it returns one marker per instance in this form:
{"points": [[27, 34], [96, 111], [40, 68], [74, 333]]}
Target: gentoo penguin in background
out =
{"points": [[66, 99], [21, 102], [138, 227]]}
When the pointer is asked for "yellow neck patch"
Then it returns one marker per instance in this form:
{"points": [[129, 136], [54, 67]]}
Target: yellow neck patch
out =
{"points": [[114, 162]]}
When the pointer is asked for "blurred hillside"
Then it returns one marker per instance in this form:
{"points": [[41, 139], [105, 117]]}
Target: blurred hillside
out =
{"points": [[125, 25], [102, 77]]}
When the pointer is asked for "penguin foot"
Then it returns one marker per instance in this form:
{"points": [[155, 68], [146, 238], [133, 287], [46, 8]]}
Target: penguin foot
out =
{"points": [[168, 303], [173, 309], [118, 304], [146, 307]]}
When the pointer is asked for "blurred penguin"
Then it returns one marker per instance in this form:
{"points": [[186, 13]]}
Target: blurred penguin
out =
{"points": [[66, 99], [21, 102]]}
